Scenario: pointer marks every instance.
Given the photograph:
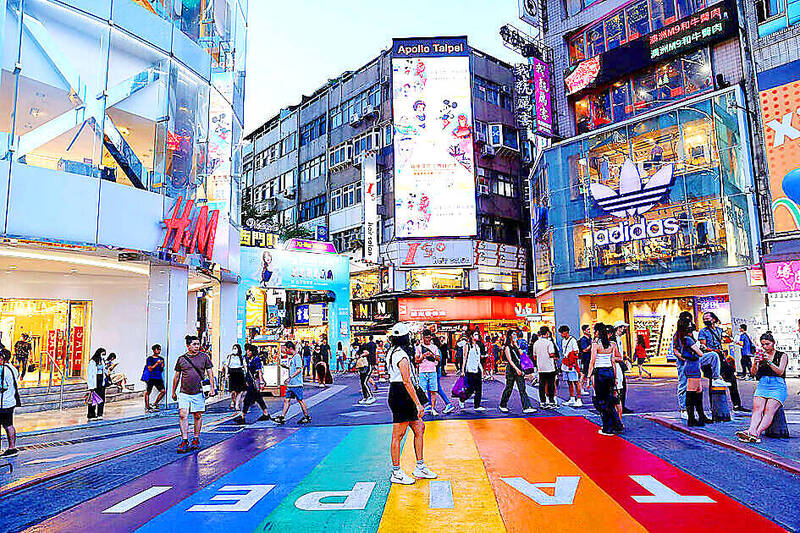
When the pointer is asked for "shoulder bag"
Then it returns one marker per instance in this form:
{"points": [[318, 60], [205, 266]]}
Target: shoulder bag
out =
{"points": [[204, 382]]}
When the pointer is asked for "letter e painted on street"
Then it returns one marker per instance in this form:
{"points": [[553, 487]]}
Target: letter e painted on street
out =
{"points": [[354, 500], [240, 503], [565, 488], [660, 493]]}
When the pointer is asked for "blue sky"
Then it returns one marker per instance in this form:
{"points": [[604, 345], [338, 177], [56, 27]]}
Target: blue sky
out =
{"points": [[294, 46]]}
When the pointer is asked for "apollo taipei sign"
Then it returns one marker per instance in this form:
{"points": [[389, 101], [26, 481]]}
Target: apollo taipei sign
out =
{"points": [[633, 200]]}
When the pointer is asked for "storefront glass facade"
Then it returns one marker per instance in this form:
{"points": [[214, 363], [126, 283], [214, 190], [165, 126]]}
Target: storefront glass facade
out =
{"points": [[661, 194], [153, 100]]}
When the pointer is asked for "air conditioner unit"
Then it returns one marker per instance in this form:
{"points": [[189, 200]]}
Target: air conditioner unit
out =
{"points": [[290, 194], [487, 151], [355, 120], [371, 110]]}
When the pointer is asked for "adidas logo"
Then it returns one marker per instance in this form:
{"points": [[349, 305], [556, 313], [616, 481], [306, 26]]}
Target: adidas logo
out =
{"points": [[634, 199]]}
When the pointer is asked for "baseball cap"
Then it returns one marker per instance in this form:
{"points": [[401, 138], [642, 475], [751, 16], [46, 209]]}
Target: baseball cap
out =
{"points": [[400, 329], [620, 323]]}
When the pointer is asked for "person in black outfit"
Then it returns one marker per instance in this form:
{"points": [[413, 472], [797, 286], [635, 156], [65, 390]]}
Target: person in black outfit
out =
{"points": [[253, 379], [514, 375], [585, 354]]}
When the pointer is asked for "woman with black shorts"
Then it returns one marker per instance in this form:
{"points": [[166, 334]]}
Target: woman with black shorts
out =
{"points": [[236, 382], [407, 410]]}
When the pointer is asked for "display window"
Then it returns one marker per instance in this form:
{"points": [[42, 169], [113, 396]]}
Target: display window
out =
{"points": [[662, 13], [638, 19], [58, 334], [697, 74], [577, 49], [601, 109], [435, 279], [621, 100], [616, 32], [669, 79], [583, 115], [595, 41]]}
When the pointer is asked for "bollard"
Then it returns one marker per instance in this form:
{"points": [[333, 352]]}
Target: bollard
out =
{"points": [[779, 429], [720, 410]]}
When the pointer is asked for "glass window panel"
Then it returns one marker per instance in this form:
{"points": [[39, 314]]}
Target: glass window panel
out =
{"points": [[662, 13], [60, 105], [638, 19], [615, 30], [621, 101], [656, 141], [595, 41], [138, 78], [601, 109], [697, 72], [669, 81], [700, 156], [577, 49], [583, 115], [162, 8], [8, 78], [644, 90]]}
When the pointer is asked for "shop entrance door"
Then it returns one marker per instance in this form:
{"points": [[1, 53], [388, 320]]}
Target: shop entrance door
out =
{"points": [[57, 334]]}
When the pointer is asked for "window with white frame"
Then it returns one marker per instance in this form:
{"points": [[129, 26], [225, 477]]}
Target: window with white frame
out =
{"points": [[340, 154], [312, 169], [366, 142], [346, 196]]}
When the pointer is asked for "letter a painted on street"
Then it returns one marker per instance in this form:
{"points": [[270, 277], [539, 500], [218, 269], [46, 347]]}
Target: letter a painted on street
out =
{"points": [[241, 503], [565, 488], [660, 493], [354, 500]]}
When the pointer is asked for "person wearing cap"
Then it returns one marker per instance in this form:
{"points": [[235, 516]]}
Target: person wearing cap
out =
{"points": [[406, 407]]}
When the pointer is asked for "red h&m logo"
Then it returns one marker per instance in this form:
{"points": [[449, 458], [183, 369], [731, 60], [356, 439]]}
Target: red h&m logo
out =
{"points": [[200, 237]]}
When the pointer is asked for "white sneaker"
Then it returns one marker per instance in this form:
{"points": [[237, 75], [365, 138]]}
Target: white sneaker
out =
{"points": [[401, 477], [460, 404], [684, 415], [423, 472], [503, 409], [362, 401], [480, 408], [370, 400], [577, 403], [434, 412], [449, 409], [529, 410], [719, 383], [570, 402]]}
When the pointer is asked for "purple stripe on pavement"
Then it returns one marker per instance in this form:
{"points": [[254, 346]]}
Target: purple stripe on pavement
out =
{"points": [[185, 476]]}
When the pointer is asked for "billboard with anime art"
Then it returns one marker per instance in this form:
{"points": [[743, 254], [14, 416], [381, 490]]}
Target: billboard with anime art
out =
{"points": [[433, 139], [780, 102]]}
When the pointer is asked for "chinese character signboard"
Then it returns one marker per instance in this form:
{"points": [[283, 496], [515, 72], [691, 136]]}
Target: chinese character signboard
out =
{"points": [[541, 90], [524, 99], [369, 171], [442, 253], [780, 100], [783, 276]]}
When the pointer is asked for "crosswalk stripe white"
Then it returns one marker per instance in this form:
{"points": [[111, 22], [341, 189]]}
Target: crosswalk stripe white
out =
{"points": [[137, 499]]}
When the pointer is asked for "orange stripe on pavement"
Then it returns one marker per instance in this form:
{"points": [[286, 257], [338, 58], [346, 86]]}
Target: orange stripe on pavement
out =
{"points": [[513, 448], [451, 453]]}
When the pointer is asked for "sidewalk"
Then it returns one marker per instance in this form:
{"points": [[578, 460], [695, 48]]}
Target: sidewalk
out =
{"points": [[784, 450]]}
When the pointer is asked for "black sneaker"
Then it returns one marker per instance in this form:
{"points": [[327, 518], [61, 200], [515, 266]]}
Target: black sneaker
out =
{"points": [[741, 408], [280, 420], [239, 420], [264, 418], [11, 452], [304, 420]]}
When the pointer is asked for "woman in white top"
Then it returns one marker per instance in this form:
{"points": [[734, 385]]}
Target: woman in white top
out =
{"points": [[234, 365], [407, 410], [95, 382], [472, 370], [603, 371]]}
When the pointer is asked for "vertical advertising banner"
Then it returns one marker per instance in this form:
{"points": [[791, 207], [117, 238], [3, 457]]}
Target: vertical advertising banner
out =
{"points": [[541, 89], [369, 172], [780, 103], [434, 162], [220, 145]]}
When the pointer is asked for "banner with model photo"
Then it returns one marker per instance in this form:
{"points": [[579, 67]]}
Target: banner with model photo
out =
{"points": [[433, 138]]}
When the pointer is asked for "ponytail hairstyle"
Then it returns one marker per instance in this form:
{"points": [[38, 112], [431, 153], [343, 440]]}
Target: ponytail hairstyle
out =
{"points": [[602, 333]]}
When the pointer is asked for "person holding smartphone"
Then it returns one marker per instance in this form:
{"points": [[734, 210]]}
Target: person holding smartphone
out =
{"points": [[769, 368], [427, 358]]}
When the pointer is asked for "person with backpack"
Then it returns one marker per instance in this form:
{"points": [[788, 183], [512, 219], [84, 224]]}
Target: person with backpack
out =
{"points": [[514, 375], [153, 376], [235, 367], [253, 380], [194, 373], [746, 344], [570, 366], [9, 400]]}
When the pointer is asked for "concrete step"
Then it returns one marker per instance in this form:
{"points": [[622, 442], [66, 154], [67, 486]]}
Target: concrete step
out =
{"points": [[73, 399]]}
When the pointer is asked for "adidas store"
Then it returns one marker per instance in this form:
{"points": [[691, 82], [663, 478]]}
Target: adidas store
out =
{"points": [[650, 217]]}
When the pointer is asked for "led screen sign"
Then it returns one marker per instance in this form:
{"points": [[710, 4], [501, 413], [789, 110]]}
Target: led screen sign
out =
{"points": [[713, 24], [433, 138]]}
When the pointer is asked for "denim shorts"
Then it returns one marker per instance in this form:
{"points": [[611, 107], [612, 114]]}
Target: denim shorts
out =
{"points": [[429, 381], [772, 387], [294, 392]]}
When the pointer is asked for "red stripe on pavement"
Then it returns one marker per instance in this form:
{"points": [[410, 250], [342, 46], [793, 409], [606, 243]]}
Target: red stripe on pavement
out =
{"points": [[610, 461]]}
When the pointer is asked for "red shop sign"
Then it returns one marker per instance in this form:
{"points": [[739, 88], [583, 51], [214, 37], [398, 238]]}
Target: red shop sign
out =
{"points": [[466, 308], [76, 353], [183, 235]]}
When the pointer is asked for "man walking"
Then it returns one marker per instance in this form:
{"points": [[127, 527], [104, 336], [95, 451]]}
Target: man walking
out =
{"points": [[306, 349], [8, 401], [22, 351], [746, 344], [428, 357], [569, 366], [155, 378], [294, 385], [194, 372]]}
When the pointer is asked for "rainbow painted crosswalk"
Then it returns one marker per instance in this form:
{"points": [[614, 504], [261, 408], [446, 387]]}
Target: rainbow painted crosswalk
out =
{"points": [[541, 474]]}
